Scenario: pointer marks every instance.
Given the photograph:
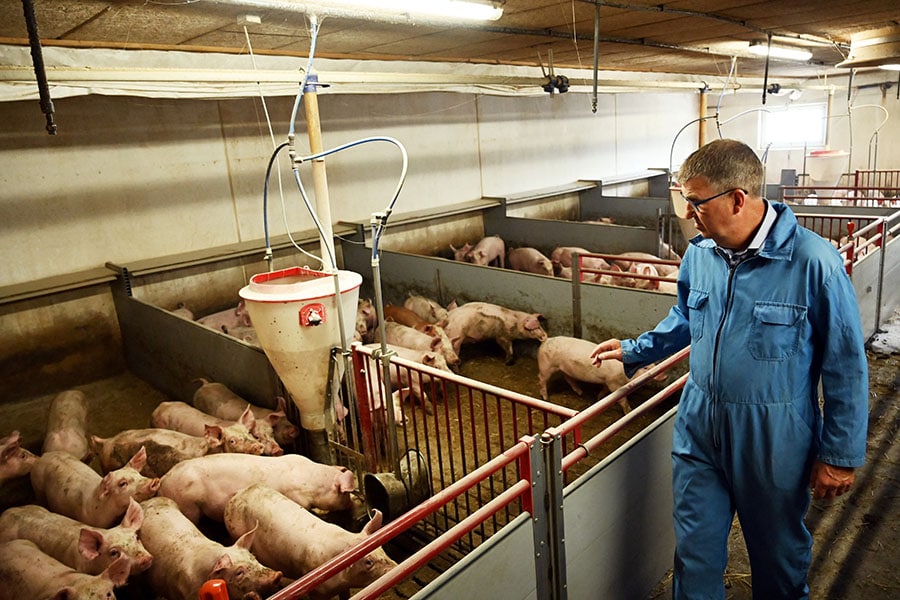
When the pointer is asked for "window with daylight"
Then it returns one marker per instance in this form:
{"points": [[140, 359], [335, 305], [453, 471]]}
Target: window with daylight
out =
{"points": [[794, 126]]}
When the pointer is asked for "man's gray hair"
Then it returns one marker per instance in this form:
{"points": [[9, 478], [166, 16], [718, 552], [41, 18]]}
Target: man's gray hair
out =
{"points": [[725, 164]]}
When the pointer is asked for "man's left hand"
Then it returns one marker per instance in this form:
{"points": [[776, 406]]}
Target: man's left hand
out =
{"points": [[829, 481]]}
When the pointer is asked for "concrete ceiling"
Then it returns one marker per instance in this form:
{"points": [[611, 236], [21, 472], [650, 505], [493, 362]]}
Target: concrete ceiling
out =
{"points": [[697, 37]]}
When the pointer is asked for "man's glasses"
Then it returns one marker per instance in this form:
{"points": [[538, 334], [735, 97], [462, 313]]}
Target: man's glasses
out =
{"points": [[697, 203]]}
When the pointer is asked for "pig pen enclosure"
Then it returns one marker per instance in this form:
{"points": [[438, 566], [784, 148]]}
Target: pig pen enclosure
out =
{"points": [[476, 464]]}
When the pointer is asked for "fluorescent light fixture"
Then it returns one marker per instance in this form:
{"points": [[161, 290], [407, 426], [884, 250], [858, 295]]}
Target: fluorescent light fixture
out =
{"points": [[450, 9], [762, 49], [890, 67]]}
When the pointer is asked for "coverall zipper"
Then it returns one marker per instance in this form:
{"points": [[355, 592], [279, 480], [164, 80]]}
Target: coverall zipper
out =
{"points": [[729, 299]]}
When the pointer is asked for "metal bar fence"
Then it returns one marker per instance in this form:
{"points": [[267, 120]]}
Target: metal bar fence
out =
{"points": [[492, 486]]}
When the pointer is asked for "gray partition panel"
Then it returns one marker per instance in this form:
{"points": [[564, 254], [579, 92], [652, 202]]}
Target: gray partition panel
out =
{"points": [[171, 353], [639, 211], [546, 234], [619, 535], [606, 311]]}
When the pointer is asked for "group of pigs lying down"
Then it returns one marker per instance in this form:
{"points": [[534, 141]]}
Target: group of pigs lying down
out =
{"points": [[89, 533], [492, 251]]}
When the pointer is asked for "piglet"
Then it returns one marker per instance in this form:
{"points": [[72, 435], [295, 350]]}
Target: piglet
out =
{"points": [[69, 487], [86, 549], [228, 319], [366, 320], [66, 425], [202, 486], [572, 357], [479, 321], [184, 559], [407, 317], [488, 251], [426, 308], [461, 253], [272, 426], [15, 461], [295, 541], [404, 378], [183, 417], [165, 448], [529, 260], [28, 573]]}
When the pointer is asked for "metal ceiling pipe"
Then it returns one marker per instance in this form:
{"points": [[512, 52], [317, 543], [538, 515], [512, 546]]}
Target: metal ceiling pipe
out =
{"points": [[37, 57]]}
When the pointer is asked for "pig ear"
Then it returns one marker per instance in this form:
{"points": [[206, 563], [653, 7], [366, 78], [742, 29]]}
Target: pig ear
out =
{"points": [[374, 524], [89, 543], [214, 435], [344, 481], [224, 562], [9, 452], [246, 540], [138, 461], [453, 305], [274, 416], [429, 359], [435, 343], [106, 485], [134, 516], [118, 571], [248, 419]]}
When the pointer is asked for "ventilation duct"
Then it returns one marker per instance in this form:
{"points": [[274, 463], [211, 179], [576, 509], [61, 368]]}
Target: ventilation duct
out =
{"points": [[875, 48]]}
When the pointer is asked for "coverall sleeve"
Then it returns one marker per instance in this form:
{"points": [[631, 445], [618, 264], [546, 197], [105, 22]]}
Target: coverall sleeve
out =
{"points": [[845, 373], [668, 337]]}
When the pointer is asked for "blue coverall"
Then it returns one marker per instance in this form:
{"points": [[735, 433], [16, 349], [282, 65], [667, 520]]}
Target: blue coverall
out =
{"points": [[749, 424]]}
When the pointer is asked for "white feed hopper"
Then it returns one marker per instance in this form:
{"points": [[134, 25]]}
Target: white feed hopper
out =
{"points": [[295, 314], [825, 168]]}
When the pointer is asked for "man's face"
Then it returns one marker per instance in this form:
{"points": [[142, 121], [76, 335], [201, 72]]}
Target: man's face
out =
{"points": [[709, 208]]}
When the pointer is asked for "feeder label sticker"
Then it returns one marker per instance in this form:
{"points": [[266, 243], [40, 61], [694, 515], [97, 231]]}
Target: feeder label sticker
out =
{"points": [[312, 315]]}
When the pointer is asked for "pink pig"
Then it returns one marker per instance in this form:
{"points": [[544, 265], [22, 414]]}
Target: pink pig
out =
{"points": [[479, 321], [529, 260], [272, 426], [184, 559], [66, 425], [86, 549], [69, 487], [15, 461], [202, 486], [183, 417], [295, 541], [489, 251], [26, 572], [225, 320], [572, 357]]}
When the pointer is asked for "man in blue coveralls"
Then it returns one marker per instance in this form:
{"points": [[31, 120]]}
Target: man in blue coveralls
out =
{"points": [[770, 313]]}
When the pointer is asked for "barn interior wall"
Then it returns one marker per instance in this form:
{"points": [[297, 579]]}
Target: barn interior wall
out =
{"points": [[130, 179]]}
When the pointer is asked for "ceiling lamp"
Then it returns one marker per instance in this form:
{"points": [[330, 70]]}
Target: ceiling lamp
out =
{"points": [[763, 49], [389, 10], [875, 48]]}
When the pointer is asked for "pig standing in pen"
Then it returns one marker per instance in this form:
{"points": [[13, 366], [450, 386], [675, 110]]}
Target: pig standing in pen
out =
{"points": [[15, 461], [218, 400], [489, 251], [26, 573], [295, 541], [228, 319], [67, 425], [69, 487], [479, 321], [184, 559], [86, 549], [529, 260], [202, 486], [572, 357]]}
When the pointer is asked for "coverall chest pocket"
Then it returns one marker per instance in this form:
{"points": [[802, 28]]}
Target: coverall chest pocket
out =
{"points": [[697, 302], [775, 332]]}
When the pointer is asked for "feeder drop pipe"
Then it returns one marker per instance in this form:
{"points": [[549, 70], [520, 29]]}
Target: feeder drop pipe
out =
{"points": [[766, 75], [386, 400], [596, 56], [320, 181], [37, 57]]}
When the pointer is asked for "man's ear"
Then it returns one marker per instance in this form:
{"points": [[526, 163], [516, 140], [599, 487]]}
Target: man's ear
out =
{"points": [[739, 197]]}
